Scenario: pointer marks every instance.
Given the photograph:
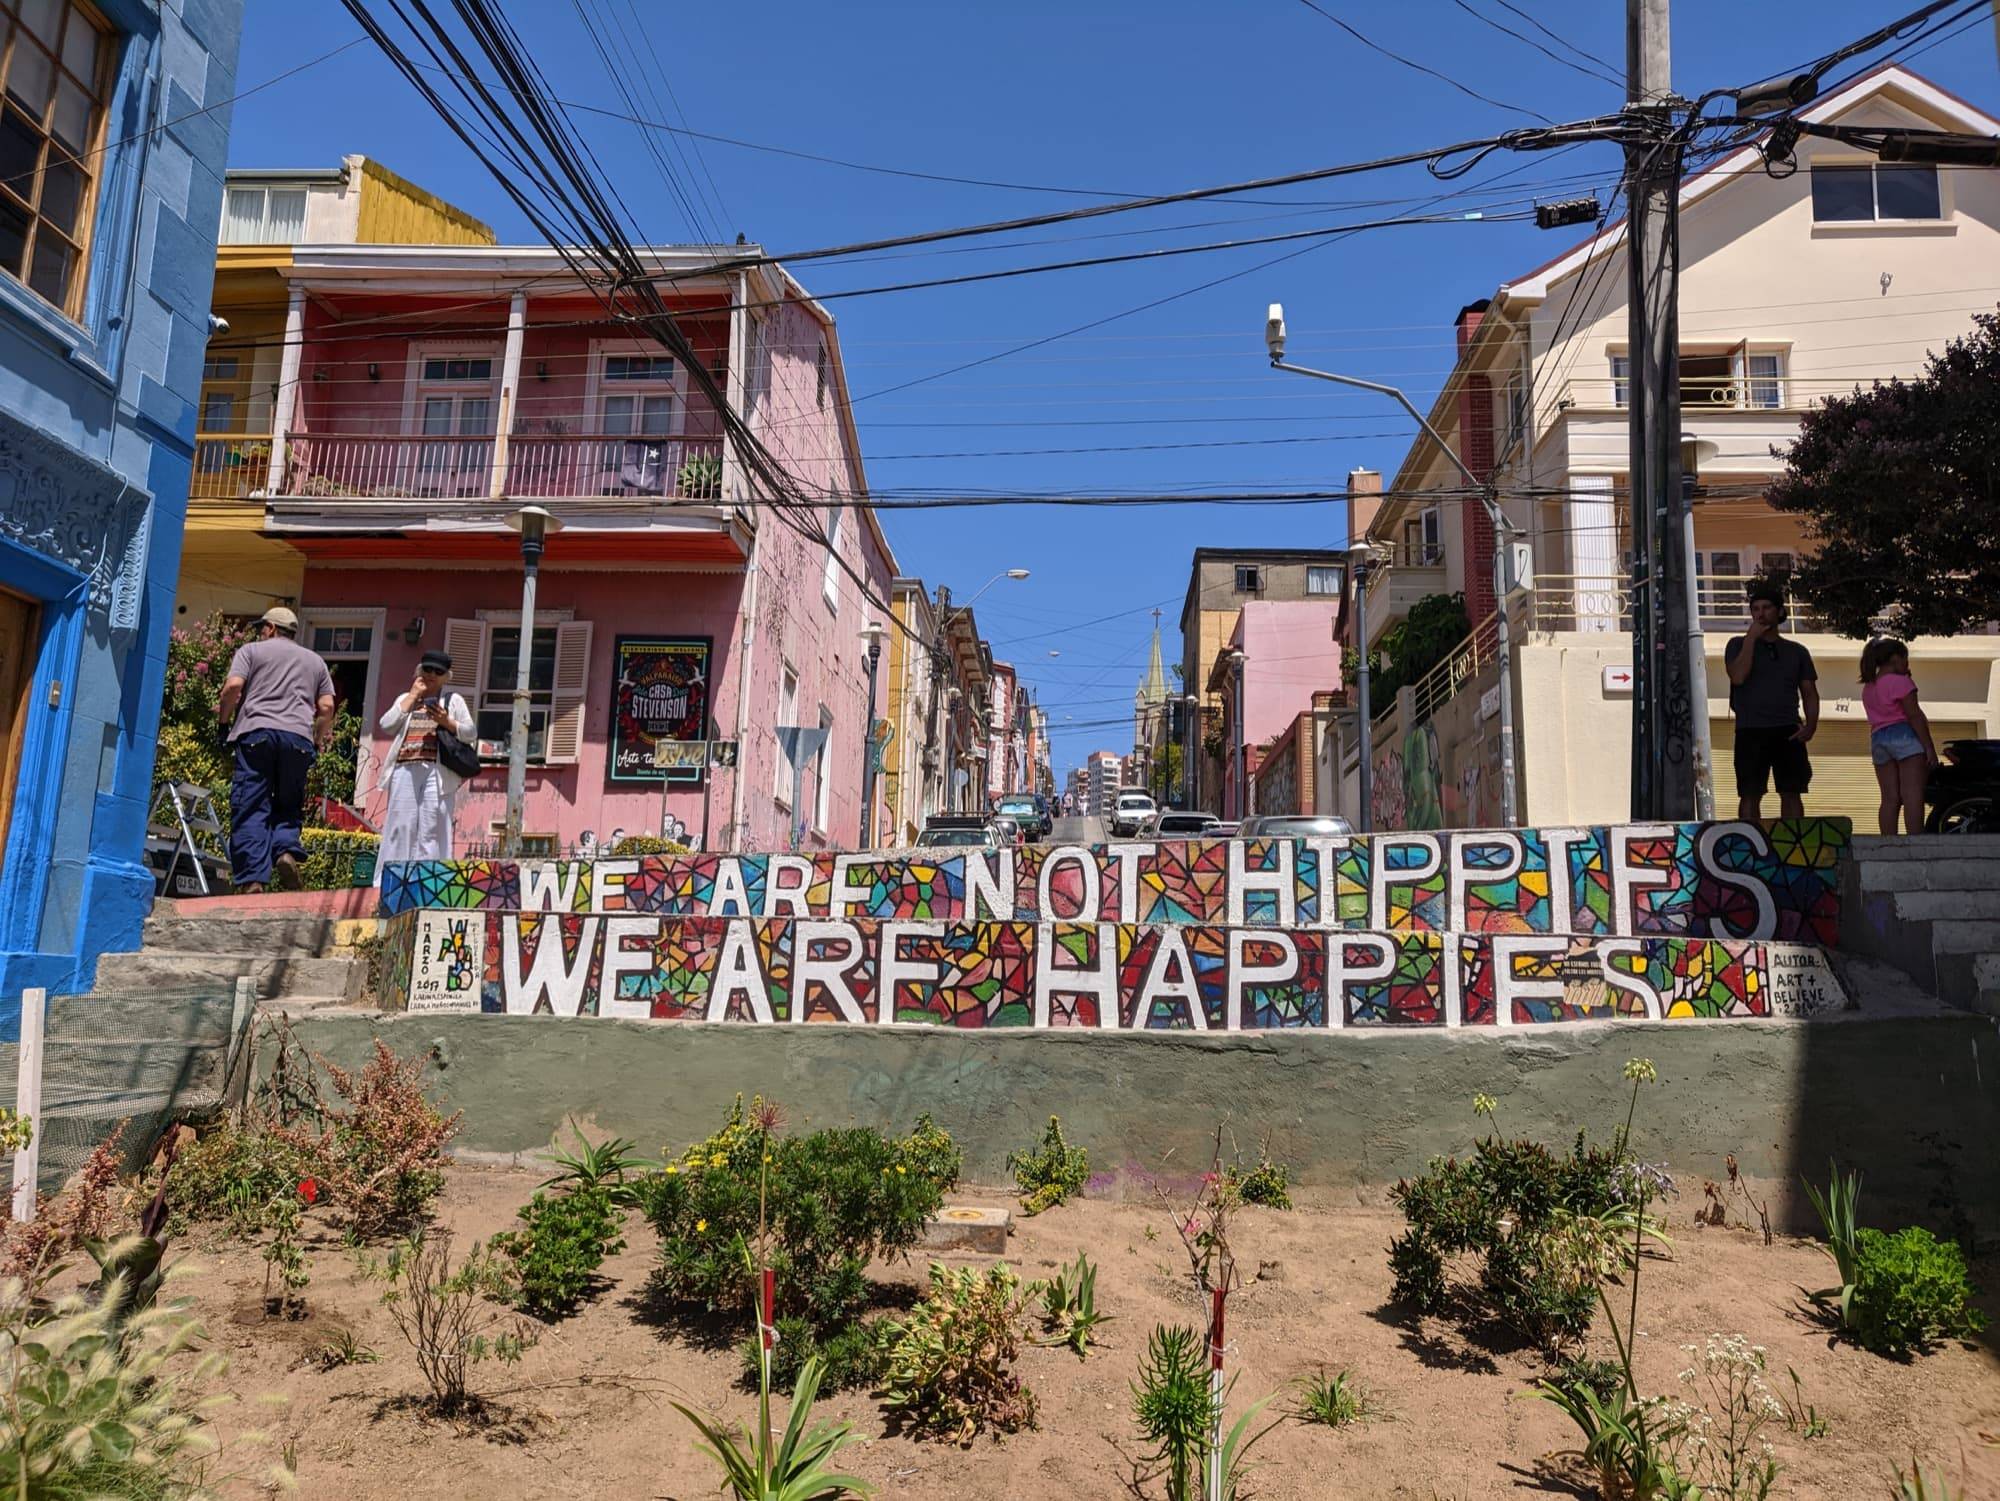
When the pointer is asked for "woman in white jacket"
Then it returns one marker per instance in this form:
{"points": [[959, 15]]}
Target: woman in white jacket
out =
{"points": [[417, 825]]}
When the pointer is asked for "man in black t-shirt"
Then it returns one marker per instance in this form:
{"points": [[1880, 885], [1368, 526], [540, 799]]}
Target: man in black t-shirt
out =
{"points": [[1770, 679]]}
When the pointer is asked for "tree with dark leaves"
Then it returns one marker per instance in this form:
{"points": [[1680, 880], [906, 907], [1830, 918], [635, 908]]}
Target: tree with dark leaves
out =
{"points": [[1900, 490]]}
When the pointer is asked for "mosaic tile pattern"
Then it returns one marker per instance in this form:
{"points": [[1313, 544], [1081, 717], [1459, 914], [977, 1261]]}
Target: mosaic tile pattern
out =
{"points": [[1719, 880], [1165, 976]]}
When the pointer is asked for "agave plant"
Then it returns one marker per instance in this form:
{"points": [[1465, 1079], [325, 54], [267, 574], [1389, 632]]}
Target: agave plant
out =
{"points": [[794, 1468], [605, 1165]]}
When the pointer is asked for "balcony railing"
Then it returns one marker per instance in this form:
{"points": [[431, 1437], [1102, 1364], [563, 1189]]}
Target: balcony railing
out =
{"points": [[1747, 393], [229, 466], [1561, 602], [542, 467], [1435, 687]]}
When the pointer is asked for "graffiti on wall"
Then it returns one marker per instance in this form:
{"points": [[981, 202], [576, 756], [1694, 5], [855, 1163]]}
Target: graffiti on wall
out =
{"points": [[1444, 771], [1719, 880], [1107, 976]]}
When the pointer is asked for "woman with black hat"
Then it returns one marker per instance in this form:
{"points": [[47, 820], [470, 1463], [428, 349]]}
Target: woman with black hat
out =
{"points": [[420, 784]]}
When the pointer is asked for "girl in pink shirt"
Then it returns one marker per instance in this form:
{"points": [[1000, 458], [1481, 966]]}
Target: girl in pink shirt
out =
{"points": [[1899, 736]]}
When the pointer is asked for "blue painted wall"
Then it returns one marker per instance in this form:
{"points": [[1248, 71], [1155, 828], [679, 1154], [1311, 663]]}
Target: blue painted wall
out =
{"points": [[97, 422]]}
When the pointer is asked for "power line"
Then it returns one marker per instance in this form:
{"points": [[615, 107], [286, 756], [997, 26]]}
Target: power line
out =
{"points": [[1414, 65], [1597, 74], [1611, 69]]}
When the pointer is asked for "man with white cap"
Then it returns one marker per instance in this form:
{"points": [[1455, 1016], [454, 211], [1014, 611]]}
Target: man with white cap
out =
{"points": [[278, 705]]}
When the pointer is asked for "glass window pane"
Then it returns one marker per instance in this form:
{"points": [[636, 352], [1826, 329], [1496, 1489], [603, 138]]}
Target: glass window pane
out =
{"points": [[80, 42], [285, 217], [243, 217], [659, 416], [31, 76], [13, 238], [475, 417], [218, 412], [42, 17], [71, 121], [618, 416], [1842, 194], [20, 154], [49, 275], [479, 369], [437, 416], [433, 369], [62, 195], [220, 367], [1907, 192]]}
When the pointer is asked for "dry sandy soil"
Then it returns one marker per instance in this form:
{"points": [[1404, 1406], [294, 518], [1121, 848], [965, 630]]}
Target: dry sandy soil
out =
{"points": [[587, 1411]]}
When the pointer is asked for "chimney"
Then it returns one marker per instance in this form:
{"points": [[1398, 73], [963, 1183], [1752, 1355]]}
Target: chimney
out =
{"points": [[1469, 318], [1364, 501], [1475, 437]]}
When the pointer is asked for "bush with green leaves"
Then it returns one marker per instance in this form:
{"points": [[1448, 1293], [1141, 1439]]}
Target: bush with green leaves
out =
{"points": [[1051, 1173], [1898, 1294], [446, 1313], [816, 1209], [849, 1356], [948, 1369], [930, 1150], [788, 1464], [1535, 1224], [231, 1176], [1331, 1399], [1069, 1306], [1174, 1409], [1268, 1184], [556, 1256]]}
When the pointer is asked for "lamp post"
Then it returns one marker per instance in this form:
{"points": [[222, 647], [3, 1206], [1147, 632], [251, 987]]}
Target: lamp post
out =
{"points": [[1191, 712], [951, 698], [1503, 530], [535, 525], [871, 633], [1700, 745], [1241, 776], [1361, 562]]}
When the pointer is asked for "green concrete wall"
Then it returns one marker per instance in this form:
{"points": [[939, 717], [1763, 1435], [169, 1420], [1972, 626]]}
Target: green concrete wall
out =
{"points": [[1911, 1098]]}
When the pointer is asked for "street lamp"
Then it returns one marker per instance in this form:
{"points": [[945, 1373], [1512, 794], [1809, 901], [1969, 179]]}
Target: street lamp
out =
{"points": [[871, 636], [1241, 778], [1191, 712], [535, 525], [1361, 565], [1503, 529]]}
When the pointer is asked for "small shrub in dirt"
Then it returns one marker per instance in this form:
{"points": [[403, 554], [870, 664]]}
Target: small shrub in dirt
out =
{"points": [[446, 1314], [1331, 1399], [1173, 1407], [930, 1151], [284, 1258], [1069, 1306], [1899, 1294], [379, 1155], [556, 1256], [614, 1166], [1537, 1224], [231, 1176], [850, 1356], [948, 1369], [823, 1206], [84, 1213], [1268, 1184], [786, 1462], [1052, 1173], [341, 1348]]}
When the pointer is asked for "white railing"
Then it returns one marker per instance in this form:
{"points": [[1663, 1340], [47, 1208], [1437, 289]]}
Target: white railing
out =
{"points": [[1570, 602], [1734, 393], [356, 466], [1435, 687], [589, 464], [367, 467], [229, 466]]}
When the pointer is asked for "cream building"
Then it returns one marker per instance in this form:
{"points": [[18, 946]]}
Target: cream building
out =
{"points": [[1793, 289]]}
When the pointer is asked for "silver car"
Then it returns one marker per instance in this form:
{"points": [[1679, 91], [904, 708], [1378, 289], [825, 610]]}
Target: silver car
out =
{"points": [[1175, 823], [1294, 826]]}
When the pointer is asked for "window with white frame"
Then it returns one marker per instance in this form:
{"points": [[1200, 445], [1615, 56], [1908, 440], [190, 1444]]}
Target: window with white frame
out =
{"points": [[1873, 192], [1513, 409], [452, 405], [1423, 539], [496, 698], [264, 216], [1621, 379], [1763, 378], [638, 396], [1740, 378], [788, 714], [821, 367], [1321, 579], [822, 783], [830, 585]]}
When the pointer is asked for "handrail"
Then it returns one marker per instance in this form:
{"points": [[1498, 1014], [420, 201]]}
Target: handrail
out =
{"points": [[359, 466]]}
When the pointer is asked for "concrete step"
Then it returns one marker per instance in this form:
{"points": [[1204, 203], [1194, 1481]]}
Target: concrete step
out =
{"points": [[139, 973], [280, 935], [1986, 984], [1965, 936], [1936, 906], [1879, 847], [156, 1016], [1944, 873]]}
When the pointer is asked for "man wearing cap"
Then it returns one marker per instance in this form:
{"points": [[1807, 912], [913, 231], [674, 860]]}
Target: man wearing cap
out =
{"points": [[278, 705], [1770, 679]]}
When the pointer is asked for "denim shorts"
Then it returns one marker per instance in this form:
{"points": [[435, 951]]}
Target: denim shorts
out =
{"points": [[1894, 742]]}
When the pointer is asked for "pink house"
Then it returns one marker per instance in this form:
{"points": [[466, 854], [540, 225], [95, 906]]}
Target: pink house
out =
{"points": [[1288, 653], [427, 393]]}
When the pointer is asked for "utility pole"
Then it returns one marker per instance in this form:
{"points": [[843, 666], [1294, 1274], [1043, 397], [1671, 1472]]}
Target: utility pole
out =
{"points": [[1363, 570], [1670, 702]]}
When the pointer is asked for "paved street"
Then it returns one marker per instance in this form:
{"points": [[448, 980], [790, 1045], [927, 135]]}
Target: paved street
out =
{"points": [[1079, 830]]}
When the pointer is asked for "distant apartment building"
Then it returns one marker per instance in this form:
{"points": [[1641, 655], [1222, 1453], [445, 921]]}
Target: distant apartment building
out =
{"points": [[1103, 773], [1221, 582]]}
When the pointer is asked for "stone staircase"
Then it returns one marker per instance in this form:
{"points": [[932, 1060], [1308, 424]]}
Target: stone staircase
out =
{"points": [[1930, 905], [289, 955]]}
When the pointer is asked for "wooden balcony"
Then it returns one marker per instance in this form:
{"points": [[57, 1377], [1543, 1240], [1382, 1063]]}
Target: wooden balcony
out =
{"points": [[229, 466], [540, 467]]}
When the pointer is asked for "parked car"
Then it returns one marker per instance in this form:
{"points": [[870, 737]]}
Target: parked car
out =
{"points": [[1224, 829], [1031, 810], [1293, 826], [977, 835], [1005, 830], [1177, 823], [1130, 810]]}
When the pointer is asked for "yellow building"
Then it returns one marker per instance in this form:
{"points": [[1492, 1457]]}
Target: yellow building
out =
{"points": [[912, 784], [228, 565]]}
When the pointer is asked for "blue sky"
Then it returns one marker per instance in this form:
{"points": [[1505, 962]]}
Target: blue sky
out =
{"points": [[1128, 99]]}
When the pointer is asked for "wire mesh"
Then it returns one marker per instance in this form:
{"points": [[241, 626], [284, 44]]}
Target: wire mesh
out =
{"points": [[143, 1061]]}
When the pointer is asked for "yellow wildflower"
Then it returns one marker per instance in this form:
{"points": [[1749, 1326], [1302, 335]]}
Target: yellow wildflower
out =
{"points": [[699, 1226], [718, 1160], [901, 1172]]}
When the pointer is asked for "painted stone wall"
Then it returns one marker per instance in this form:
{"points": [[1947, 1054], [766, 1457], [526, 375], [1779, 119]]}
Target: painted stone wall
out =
{"points": [[1105, 976], [1720, 880]]}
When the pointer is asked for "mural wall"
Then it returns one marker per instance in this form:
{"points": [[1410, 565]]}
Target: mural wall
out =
{"points": [[1720, 880], [1164, 977], [1442, 772]]}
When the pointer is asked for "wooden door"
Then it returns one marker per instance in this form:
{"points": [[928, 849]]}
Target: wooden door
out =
{"points": [[19, 622]]}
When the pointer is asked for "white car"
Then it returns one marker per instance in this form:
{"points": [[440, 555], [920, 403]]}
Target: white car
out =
{"points": [[1130, 812]]}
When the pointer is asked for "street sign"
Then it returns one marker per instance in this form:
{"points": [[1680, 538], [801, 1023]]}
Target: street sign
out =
{"points": [[1618, 681], [722, 753], [680, 755], [1517, 563]]}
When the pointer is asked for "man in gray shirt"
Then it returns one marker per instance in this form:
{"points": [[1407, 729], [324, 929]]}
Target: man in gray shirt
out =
{"points": [[1770, 679], [278, 705]]}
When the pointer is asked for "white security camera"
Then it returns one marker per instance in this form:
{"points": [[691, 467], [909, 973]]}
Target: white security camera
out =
{"points": [[217, 325], [1274, 331]]}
